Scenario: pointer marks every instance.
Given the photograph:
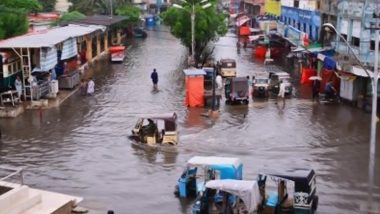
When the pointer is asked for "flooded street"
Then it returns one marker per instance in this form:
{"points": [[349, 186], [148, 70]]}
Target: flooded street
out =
{"points": [[81, 148]]}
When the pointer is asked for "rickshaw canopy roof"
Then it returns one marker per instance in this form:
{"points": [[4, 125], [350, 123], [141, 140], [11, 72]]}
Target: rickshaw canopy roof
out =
{"points": [[282, 74], [194, 72], [165, 116], [248, 191], [213, 161], [300, 177], [240, 79]]}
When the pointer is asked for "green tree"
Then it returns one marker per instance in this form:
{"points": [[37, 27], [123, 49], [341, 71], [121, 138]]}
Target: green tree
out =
{"points": [[70, 16], [90, 7], [13, 16], [209, 25], [130, 11], [48, 5]]}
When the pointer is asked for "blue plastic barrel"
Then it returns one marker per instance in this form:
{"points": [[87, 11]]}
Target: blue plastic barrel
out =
{"points": [[150, 22]]}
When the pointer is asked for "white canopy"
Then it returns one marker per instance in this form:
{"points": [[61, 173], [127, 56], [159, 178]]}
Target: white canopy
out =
{"points": [[248, 191], [213, 160], [49, 38]]}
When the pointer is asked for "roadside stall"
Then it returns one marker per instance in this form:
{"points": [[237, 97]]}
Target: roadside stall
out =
{"points": [[194, 83]]}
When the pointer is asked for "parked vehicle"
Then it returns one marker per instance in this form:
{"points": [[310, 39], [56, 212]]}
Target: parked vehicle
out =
{"points": [[227, 67], [201, 169], [303, 199], [260, 85], [154, 130], [275, 80], [237, 90], [117, 53], [228, 196], [139, 32]]}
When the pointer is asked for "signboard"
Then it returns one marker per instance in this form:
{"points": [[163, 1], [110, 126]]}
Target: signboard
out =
{"points": [[272, 7]]}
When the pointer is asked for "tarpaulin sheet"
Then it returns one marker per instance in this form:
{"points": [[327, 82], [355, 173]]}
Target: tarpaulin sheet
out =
{"points": [[329, 63], [306, 74], [194, 91]]}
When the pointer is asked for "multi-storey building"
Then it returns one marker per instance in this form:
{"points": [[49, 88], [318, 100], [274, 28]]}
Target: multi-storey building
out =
{"points": [[353, 19], [301, 17]]}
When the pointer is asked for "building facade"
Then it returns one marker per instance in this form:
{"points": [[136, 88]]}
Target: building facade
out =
{"points": [[301, 18], [353, 19]]}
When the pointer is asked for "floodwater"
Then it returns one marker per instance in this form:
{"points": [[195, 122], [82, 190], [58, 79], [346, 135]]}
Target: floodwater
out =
{"points": [[81, 148]]}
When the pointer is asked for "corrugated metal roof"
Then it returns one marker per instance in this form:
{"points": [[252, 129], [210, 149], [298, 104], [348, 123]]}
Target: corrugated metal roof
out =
{"points": [[50, 37], [101, 20]]}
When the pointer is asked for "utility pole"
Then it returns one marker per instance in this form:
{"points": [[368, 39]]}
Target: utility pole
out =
{"points": [[111, 8], [375, 80], [192, 34]]}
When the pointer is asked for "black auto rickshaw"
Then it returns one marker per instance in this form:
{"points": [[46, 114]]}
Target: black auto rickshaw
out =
{"points": [[236, 90], [303, 200]]}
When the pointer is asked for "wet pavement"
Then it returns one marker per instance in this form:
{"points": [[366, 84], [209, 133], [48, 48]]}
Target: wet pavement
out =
{"points": [[81, 148]]}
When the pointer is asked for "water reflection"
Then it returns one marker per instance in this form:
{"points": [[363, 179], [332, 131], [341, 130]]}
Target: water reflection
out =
{"points": [[82, 148]]}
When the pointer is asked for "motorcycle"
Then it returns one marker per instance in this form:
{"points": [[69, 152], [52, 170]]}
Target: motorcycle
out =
{"points": [[332, 99]]}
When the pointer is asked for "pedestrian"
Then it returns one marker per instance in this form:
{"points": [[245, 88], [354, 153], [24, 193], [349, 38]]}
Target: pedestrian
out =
{"points": [[154, 77], [219, 82], [90, 87], [330, 91], [18, 86], [281, 93], [83, 87], [315, 89]]}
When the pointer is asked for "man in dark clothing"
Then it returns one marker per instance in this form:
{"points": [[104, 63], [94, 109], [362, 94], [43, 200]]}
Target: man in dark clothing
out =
{"points": [[154, 77], [315, 89]]}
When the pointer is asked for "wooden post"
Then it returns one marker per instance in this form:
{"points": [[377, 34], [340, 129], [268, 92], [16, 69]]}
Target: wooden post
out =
{"points": [[106, 41], [88, 48], [98, 45], [118, 37]]}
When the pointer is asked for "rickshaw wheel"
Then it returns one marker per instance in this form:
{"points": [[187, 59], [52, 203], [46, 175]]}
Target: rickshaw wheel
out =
{"points": [[314, 206]]}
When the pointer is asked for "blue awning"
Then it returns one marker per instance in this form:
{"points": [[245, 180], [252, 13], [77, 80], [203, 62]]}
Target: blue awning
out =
{"points": [[194, 72]]}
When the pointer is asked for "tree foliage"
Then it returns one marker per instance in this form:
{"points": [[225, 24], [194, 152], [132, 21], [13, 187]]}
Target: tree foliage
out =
{"points": [[209, 25], [90, 7], [70, 16], [48, 5], [132, 12], [13, 16]]}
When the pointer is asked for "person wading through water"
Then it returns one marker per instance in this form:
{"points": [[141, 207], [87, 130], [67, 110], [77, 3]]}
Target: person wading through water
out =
{"points": [[154, 77]]}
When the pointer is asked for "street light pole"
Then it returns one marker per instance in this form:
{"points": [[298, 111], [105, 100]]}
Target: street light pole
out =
{"points": [[192, 34], [374, 83], [192, 14]]}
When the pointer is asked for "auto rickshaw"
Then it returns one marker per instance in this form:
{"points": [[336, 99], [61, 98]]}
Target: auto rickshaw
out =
{"points": [[227, 68], [236, 90], [228, 196], [260, 85], [156, 129], [301, 199], [201, 169], [275, 80]]}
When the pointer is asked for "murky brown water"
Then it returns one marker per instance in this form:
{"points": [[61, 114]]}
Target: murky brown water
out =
{"points": [[81, 147]]}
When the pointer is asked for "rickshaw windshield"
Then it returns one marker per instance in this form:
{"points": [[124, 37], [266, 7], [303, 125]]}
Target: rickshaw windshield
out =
{"points": [[262, 81]]}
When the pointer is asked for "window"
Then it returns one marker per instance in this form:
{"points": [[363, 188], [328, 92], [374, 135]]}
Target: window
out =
{"points": [[304, 28], [372, 46], [355, 42], [296, 3], [299, 26], [344, 36]]}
